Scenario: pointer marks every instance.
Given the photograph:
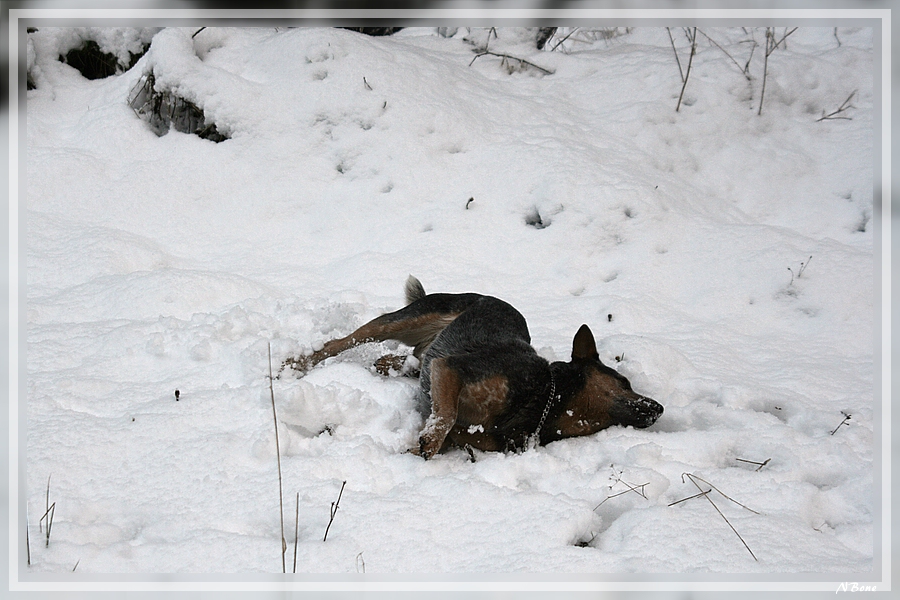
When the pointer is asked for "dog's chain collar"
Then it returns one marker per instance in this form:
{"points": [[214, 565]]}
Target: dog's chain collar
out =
{"points": [[550, 401]]}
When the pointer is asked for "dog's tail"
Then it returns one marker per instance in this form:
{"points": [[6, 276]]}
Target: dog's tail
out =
{"points": [[414, 290]]}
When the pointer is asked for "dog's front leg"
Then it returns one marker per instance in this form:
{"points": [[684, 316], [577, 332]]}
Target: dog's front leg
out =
{"points": [[445, 388]]}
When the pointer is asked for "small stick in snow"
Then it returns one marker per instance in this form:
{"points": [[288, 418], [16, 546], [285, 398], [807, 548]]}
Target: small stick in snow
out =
{"points": [[753, 462], [705, 494], [834, 115], [771, 45], [47, 505], [48, 513], [49, 516], [560, 42], [360, 563], [77, 562], [800, 271], [716, 44], [278, 456], [334, 509], [689, 498], [469, 201], [27, 538], [507, 57], [692, 37], [677, 60], [636, 488], [366, 83], [844, 422], [296, 530], [803, 267]]}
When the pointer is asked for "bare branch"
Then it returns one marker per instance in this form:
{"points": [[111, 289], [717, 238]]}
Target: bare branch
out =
{"points": [[706, 495], [844, 106], [278, 455], [677, 60], [692, 37], [716, 44], [506, 57]]}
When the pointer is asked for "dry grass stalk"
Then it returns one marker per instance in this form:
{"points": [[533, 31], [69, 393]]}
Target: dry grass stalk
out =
{"points": [[278, 455], [744, 70], [636, 488], [691, 35], [771, 45], [505, 58], [48, 513], [844, 422], [296, 531], [836, 114], [334, 509], [705, 494], [753, 462], [27, 539]]}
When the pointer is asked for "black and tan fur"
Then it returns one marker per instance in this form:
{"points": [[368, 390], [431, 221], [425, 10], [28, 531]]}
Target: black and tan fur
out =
{"points": [[486, 386]]}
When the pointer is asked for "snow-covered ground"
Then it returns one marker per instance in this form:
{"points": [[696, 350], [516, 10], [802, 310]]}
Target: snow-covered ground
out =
{"points": [[164, 263]]}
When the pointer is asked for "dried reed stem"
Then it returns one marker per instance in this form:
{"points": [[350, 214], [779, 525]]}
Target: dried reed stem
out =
{"points": [[278, 455]]}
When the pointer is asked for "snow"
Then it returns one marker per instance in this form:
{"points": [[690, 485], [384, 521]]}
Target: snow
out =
{"points": [[164, 263]]}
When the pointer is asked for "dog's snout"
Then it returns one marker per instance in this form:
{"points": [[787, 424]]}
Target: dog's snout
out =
{"points": [[639, 411]]}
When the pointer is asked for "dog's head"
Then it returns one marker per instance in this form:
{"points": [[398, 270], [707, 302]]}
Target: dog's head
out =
{"points": [[603, 397]]}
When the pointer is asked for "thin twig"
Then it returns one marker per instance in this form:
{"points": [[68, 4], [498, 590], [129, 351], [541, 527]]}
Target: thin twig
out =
{"points": [[844, 422], [296, 531], [631, 488], [334, 509], [800, 270], [762, 95], [677, 60], [278, 455], [845, 106], [690, 498], [706, 495], [47, 505], [803, 267], [510, 57], [724, 495], [771, 45], [750, 58], [560, 42], [27, 538], [693, 39], [753, 462], [783, 38], [49, 516], [716, 44]]}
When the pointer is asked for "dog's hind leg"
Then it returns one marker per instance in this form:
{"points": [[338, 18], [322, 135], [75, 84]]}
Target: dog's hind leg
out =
{"points": [[407, 325], [445, 389]]}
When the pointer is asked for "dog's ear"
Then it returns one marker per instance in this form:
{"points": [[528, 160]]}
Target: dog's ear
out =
{"points": [[583, 346]]}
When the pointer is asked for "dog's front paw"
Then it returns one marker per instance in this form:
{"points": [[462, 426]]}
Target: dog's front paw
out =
{"points": [[428, 447]]}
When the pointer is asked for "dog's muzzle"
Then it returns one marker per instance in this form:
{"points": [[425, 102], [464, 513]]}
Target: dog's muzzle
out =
{"points": [[638, 412]]}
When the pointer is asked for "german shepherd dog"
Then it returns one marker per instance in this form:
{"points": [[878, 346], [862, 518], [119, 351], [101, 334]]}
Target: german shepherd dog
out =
{"points": [[487, 387]]}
